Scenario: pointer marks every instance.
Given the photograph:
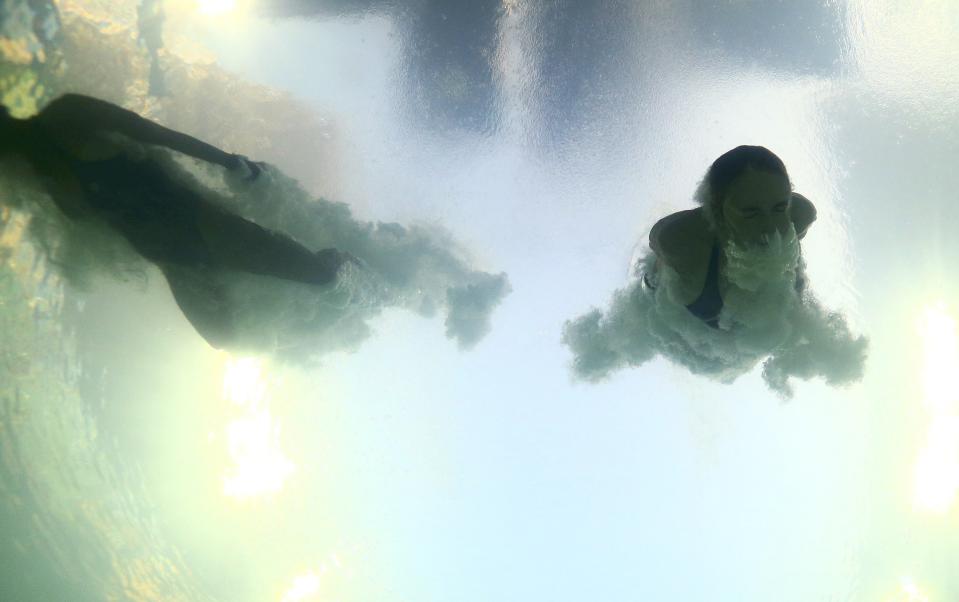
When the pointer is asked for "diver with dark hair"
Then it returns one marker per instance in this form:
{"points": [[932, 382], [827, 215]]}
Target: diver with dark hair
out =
{"points": [[72, 146], [746, 202]]}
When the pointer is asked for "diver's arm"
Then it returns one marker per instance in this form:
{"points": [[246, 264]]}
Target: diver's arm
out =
{"points": [[663, 233], [803, 213], [76, 116], [654, 234], [676, 239], [682, 242]]}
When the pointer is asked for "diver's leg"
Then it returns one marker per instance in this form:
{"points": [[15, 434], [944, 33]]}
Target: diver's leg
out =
{"points": [[169, 224], [242, 245]]}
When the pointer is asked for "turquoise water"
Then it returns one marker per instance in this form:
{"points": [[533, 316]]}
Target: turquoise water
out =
{"points": [[385, 439]]}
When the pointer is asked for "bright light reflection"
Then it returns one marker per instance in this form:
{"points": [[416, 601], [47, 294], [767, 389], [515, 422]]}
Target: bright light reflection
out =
{"points": [[937, 467], [259, 467], [304, 587], [909, 592], [214, 8]]}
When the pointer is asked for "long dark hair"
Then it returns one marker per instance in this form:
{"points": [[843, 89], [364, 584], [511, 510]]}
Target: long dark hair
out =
{"points": [[8, 131], [5, 118], [730, 165]]}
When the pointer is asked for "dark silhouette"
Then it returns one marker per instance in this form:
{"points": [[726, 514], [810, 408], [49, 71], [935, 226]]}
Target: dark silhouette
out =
{"points": [[746, 198], [90, 176]]}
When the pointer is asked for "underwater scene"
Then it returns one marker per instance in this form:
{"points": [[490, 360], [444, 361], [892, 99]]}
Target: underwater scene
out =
{"points": [[429, 301]]}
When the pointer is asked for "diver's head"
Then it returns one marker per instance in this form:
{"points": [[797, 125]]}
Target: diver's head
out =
{"points": [[746, 195]]}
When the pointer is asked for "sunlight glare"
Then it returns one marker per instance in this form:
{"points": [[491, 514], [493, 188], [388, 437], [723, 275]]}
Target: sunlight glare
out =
{"points": [[937, 467], [304, 587], [909, 592], [259, 466], [243, 381], [214, 8], [328, 580]]}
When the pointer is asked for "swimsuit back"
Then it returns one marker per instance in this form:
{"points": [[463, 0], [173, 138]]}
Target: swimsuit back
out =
{"points": [[156, 214]]}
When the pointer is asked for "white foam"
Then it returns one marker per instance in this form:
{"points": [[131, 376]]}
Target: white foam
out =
{"points": [[418, 268], [763, 319]]}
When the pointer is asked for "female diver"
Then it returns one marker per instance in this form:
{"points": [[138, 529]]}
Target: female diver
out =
{"points": [[88, 174], [746, 200]]}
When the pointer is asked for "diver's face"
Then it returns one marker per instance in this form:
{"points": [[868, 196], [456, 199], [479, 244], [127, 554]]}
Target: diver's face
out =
{"points": [[756, 206]]}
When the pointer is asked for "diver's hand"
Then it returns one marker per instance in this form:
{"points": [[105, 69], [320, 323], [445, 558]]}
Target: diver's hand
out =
{"points": [[330, 261], [335, 257], [250, 169], [353, 259]]}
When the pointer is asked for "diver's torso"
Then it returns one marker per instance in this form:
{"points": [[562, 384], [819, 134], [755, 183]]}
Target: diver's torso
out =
{"points": [[97, 179], [156, 214], [693, 252]]}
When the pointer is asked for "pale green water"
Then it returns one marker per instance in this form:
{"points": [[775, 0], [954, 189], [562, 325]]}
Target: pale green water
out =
{"points": [[76, 517]]}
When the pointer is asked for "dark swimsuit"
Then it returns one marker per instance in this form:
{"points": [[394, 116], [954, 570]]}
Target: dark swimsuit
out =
{"points": [[709, 304], [156, 214], [169, 224], [161, 218]]}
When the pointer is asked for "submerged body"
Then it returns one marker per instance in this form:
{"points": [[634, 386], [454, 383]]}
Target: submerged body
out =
{"points": [[73, 148], [724, 279], [753, 207], [685, 242]]}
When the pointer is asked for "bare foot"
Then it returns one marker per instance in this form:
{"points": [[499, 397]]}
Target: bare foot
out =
{"points": [[250, 169], [330, 261]]}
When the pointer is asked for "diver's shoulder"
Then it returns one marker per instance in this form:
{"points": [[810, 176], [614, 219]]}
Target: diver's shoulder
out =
{"points": [[679, 238], [681, 228], [802, 212]]}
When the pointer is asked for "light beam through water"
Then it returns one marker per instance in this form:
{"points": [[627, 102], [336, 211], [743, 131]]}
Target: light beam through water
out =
{"points": [[258, 465], [937, 467]]}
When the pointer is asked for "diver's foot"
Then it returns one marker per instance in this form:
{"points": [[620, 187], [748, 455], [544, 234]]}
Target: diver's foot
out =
{"points": [[329, 262], [250, 170]]}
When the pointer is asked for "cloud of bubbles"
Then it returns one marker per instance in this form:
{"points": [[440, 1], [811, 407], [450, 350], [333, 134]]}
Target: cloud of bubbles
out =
{"points": [[418, 268], [764, 319]]}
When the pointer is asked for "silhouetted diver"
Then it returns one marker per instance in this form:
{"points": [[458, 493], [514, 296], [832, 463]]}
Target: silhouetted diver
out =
{"points": [[87, 174], [746, 197]]}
